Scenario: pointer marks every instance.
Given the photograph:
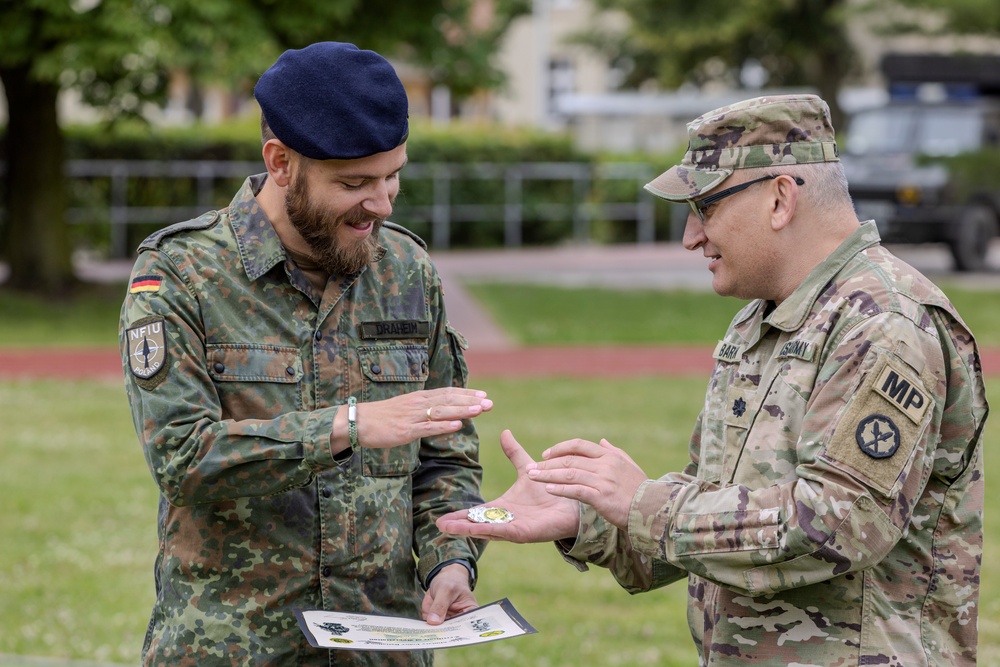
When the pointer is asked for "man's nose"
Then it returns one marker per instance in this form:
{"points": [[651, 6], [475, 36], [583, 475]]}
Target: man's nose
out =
{"points": [[694, 232]]}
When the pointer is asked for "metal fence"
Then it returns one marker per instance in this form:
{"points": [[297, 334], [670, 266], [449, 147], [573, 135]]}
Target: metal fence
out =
{"points": [[442, 211]]}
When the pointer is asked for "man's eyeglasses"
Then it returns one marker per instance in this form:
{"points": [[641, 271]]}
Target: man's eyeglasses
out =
{"points": [[700, 205]]}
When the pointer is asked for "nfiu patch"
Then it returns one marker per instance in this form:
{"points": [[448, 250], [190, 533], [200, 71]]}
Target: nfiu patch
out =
{"points": [[146, 347], [881, 425]]}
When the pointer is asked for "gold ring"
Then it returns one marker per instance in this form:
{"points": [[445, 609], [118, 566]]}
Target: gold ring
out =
{"points": [[428, 414]]}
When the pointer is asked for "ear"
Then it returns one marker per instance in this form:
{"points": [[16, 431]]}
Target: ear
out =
{"points": [[277, 160], [786, 194]]}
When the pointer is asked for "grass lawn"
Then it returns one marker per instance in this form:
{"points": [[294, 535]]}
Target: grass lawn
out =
{"points": [[549, 315], [78, 526], [79, 535]]}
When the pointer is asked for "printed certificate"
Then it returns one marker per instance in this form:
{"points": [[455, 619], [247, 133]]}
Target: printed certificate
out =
{"points": [[375, 632]]}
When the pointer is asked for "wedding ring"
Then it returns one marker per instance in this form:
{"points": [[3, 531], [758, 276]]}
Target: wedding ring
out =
{"points": [[490, 515], [428, 414]]}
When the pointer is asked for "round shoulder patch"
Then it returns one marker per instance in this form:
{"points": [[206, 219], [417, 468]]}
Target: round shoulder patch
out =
{"points": [[878, 436]]}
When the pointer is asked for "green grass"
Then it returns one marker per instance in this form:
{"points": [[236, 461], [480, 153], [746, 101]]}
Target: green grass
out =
{"points": [[80, 508], [546, 315], [78, 526], [89, 319], [533, 315]]}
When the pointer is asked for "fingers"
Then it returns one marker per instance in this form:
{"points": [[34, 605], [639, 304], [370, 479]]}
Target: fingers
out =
{"points": [[448, 594], [451, 403], [578, 447]]}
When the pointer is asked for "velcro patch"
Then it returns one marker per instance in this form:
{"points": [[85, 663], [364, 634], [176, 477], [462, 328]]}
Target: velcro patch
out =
{"points": [[797, 349], [727, 351], [738, 408], [146, 347], [145, 284], [872, 437], [395, 329], [903, 392]]}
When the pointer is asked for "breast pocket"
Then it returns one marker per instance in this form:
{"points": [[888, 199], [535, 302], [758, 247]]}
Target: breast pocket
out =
{"points": [[255, 381], [387, 371]]}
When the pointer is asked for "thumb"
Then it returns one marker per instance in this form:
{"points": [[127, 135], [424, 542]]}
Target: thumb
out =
{"points": [[514, 451]]}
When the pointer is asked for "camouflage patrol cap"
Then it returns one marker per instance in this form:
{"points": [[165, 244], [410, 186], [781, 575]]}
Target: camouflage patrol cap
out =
{"points": [[761, 132]]}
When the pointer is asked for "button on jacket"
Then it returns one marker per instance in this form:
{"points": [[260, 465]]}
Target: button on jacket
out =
{"points": [[831, 513], [257, 519]]}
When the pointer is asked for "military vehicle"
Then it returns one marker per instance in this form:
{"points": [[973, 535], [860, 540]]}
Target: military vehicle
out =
{"points": [[926, 164]]}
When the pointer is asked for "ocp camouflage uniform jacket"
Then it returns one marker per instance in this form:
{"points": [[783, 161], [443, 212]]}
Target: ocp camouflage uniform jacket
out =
{"points": [[234, 369], [832, 510]]}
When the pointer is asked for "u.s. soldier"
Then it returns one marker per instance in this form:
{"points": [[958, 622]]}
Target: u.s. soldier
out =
{"points": [[831, 512], [297, 391]]}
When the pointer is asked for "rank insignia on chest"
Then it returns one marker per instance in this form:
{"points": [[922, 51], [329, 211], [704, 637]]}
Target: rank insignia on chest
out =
{"points": [[739, 407]]}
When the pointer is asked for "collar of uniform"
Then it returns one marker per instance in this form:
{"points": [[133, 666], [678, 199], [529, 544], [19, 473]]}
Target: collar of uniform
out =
{"points": [[792, 312], [260, 247]]}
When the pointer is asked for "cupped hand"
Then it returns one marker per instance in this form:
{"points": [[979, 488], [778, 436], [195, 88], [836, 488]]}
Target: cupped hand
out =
{"points": [[538, 515]]}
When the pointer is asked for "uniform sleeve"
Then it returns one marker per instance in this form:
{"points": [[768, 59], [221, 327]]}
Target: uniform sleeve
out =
{"points": [[601, 543], [868, 436], [450, 475], [194, 454]]}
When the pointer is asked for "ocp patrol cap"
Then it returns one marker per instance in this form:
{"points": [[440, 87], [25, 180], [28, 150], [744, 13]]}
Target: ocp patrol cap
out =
{"points": [[761, 132], [332, 100]]}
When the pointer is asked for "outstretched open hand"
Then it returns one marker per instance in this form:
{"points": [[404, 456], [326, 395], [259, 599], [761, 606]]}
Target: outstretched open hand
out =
{"points": [[538, 515]]}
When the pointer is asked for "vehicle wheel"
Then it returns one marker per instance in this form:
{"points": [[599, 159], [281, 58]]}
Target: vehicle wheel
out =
{"points": [[975, 228]]}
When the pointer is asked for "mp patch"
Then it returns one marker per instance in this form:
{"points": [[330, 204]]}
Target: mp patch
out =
{"points": [[147, 351], [878, 431], [903, 392]]}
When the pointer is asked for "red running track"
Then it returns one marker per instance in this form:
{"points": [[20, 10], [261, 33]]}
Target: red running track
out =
{"points": [[577, 361]]}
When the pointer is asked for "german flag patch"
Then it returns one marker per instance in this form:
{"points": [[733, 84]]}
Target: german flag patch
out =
{"points": [[145, 284]]}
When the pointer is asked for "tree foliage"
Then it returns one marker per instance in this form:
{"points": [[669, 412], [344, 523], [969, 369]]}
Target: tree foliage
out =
{"points": [[937, 17], [673, 42], [119, 55]]}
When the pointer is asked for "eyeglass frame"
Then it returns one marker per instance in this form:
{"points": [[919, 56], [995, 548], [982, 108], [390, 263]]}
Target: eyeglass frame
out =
{"points": [[700, 205]]}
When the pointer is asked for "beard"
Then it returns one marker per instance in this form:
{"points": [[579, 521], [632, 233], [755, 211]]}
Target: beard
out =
{"points": [[319, 227]]}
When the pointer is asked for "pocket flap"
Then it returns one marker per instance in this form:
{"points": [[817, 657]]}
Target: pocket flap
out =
{"points": [[254, 363], [397, 363]]}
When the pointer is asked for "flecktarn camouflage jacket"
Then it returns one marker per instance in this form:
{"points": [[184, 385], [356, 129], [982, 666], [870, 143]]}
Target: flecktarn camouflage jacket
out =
{"points": [[234, 369]]}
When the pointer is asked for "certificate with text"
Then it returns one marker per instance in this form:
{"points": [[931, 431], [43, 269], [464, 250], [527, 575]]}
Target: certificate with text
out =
{"points": [[375, 632]]}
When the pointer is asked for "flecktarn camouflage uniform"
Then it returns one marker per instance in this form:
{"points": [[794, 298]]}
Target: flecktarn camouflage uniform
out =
{"points": [[234, 369], [832, 510]]}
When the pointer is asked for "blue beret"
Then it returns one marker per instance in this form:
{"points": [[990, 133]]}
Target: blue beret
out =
{"points": [[332, 100]]}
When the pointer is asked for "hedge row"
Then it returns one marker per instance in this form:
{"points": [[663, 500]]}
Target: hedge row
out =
{"points": [[463, 148]]}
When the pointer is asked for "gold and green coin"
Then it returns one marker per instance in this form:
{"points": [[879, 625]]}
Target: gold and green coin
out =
{"points": [[490, 515]]}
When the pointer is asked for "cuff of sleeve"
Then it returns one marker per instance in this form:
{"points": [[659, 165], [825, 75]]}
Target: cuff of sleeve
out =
{"points": [[469, 565], [649, 516], [592, 540], [316, 439]]}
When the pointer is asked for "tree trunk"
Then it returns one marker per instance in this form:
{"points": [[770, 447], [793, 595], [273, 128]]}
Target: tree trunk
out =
{"points": [[38, 248]]}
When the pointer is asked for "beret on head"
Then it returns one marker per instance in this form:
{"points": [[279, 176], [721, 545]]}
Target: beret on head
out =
{"points": [[762, 132], [332, 100]]}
